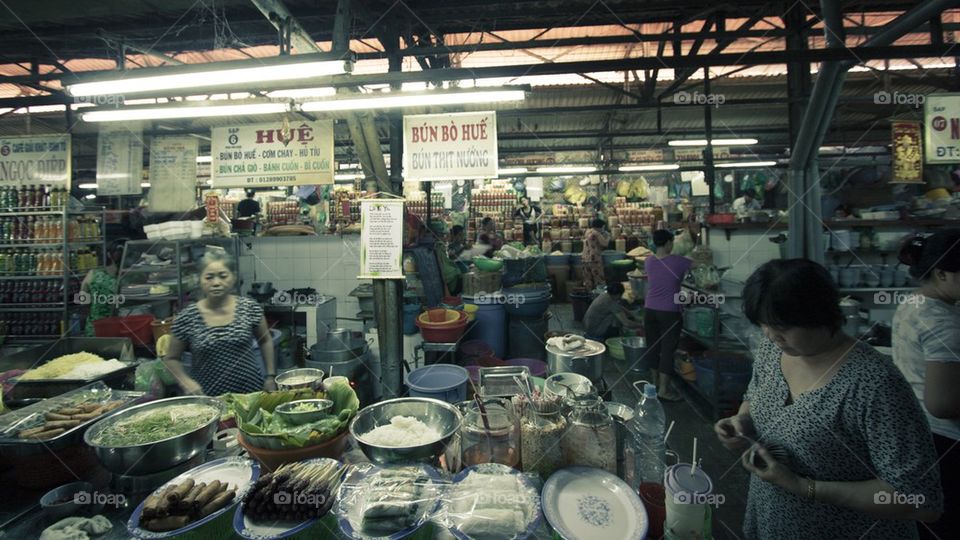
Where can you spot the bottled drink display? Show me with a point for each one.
(647, 445)
(31, 324)
(41, 291)
(46, 261)
(32, 197)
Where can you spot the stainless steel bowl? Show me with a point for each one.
(442, 416)
(286, 411)
(311, 379)
(567, 385)
(148, 458)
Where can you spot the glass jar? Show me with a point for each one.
(491, 434)
(591, 440)
(541, 432)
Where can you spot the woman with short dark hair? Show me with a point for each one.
(856, 456)
(662, 316)
(926, 348)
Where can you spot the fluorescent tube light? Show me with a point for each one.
(300, 93)
(348, 166)
(176, 79)
(88, 186)
(745, 164)
(631, 168)
(144, 184)
(401, 100)
(511, 170)
(716, 142)
(90, 196)
(567, 170)
(156, 113)
(204, 159)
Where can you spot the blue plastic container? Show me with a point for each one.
(611, 255)
(410, 313)
(735, 371)
(529, 307)
(445, 382)
(527, 337)
(558, 260)
(491, 322)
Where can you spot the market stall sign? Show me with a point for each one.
(173, 174)
(696, 154)
(907, 154)
(41, 159)
(120, 159)
(450, 146)
(941, 123)
(640, 156)
(274, 154)
(381, 239)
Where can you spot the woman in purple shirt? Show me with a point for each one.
(662, 319)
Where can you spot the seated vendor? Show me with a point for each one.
(607, 315)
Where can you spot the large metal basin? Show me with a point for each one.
(442, 416)
(155, 456)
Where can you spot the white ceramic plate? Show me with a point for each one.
(582, 502)
(349, 507)
(239, 473)
(272, 530)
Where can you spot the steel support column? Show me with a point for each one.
(806, 233)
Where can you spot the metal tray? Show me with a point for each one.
(119, 348)
(11, 423)
(500, 381)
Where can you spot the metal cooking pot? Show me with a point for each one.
(343, 356)
(586, 360)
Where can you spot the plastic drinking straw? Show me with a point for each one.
(669, 429)
(694, 468)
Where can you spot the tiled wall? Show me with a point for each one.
(329, 264)
(745, 248)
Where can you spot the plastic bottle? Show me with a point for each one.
(647, 446)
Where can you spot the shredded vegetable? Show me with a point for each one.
(156, 425)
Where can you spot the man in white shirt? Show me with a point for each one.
(744, 204)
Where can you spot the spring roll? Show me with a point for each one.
(57, 416)
(218, 502)
(186, 503)
(208, 493)
(48, 434)
(180, 492)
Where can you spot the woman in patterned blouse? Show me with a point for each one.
(857, 457)
(220, 331)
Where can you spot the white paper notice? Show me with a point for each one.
(454, 146)
(120, 159)
(44, 159)
(381, 239)
(173, 174)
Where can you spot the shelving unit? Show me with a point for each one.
(715, 343)
(185, 257)
(25, 329)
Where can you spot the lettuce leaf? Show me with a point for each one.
(254, 413)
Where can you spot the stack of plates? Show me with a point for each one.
(136, 290)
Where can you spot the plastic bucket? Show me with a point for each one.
(526, 337)
(161, 328)
(580, 302)
(445, 382)
(491, 324)
(135, 327)
(472, 349)
(735, 371)
(410, 313)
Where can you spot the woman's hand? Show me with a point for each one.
(768, 469)
(269, 385)
(730, 429)
(191, 387)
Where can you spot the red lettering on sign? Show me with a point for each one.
(955, 128)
